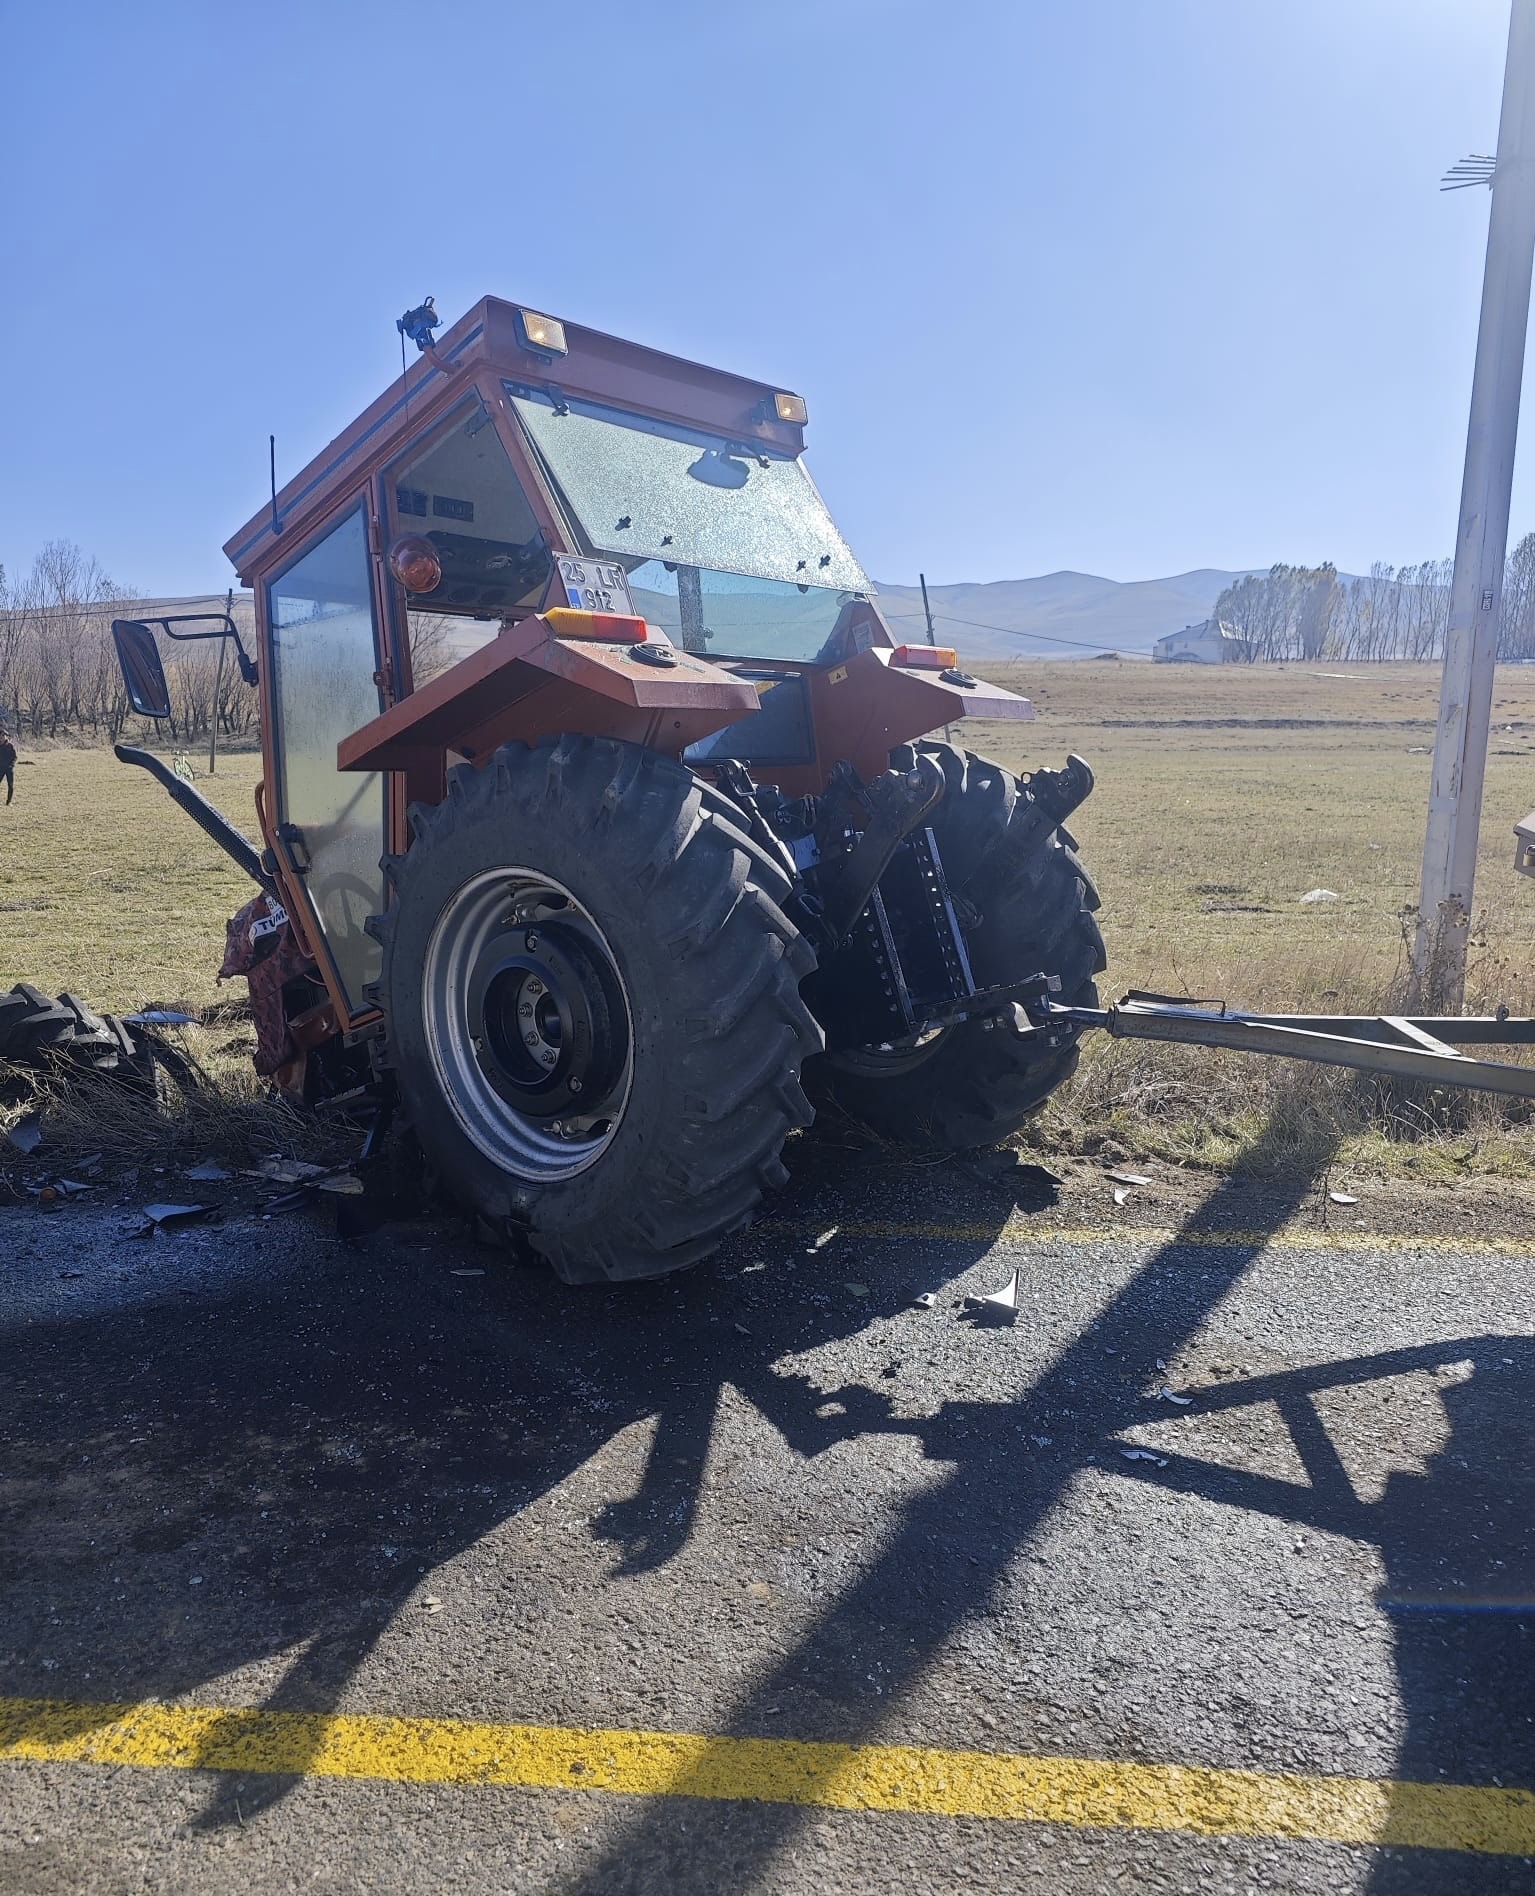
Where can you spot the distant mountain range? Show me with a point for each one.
(1061, 613)
(1058, 612)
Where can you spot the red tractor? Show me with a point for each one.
(601, 829)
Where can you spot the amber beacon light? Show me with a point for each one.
(415, 564)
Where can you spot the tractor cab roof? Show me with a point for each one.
(515, 355)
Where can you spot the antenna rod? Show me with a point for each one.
(948, 729)
(271, 442)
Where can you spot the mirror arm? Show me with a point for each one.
(227, 630)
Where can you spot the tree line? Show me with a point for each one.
(59, 675)
(1402, 612)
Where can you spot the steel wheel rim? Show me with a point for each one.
(532, 1046)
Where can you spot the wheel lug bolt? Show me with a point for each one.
(575, 1085)
(531, 943)
(531, 1038)
(526, 1010)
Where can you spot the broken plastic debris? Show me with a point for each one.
(432, 1604)
(1167, 1395)
(1143, 1455)
(69, 1187)
(1120, 1195)
(467, 1273)
(348, 1184)
(207, 1173)
(857, 1290)
(998, 1306)
(924, 1300)
(161, 1017)
(1130, 1178)
(1343, 1198)
(27, 1133)
(174, 1214)
(289, 1171)
(1321, 895)
(300, 1172)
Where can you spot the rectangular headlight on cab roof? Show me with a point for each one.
(925, 657)
(543, 334)
(791, 408)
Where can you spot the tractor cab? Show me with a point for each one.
(547, 587)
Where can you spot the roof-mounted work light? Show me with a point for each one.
(544, 335)
(791, 408)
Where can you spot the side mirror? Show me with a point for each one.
(143, 674)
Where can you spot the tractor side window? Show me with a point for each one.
(463, 495)
(324, 663)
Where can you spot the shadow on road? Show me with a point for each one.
(1457, 1542)
(945, 1553)
(308, 1450)
(262, 1470)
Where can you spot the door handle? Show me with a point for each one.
(295, 848)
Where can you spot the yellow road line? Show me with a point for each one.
(1019, 1230)
(1090, 1792)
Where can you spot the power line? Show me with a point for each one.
(1007, 631)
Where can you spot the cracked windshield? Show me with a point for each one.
(727, 544)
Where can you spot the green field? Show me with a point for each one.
(1225, 794)
(107, 889)
(1222, 797)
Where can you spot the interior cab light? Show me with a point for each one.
(933, 658)
(545, 335)
(612, 628)
(791, 408)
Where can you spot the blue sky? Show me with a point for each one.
(1128, 287)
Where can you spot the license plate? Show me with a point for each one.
(595, 585)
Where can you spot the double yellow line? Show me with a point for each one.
(1094, 1793)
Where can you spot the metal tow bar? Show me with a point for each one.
(1410, 1049)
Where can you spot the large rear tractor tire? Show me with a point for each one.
(966, 1086)
(592, 1005)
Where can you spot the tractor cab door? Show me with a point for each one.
(324, 664)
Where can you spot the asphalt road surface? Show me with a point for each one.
(384, 1565)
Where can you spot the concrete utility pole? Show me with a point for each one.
(1481, 543)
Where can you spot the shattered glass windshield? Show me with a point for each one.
(728, 544)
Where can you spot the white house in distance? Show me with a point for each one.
(1211, 642)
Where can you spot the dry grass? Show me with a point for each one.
(230, 1115)
(1222, 797)
(108, 890)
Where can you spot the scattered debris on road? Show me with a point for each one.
(27, 1133)
(997, 1306)
(175, 1214)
